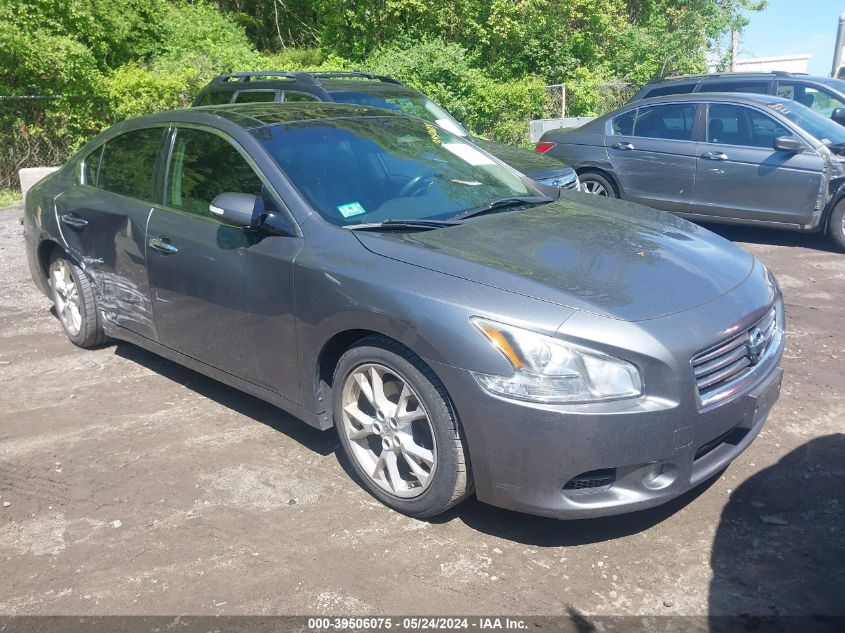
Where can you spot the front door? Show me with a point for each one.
(652, 152)
(222, 295)
(740, 175)
(104, 219)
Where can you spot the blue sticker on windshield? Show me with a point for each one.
(348, 210)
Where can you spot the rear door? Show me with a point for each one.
(740, 175)
(104, 219)
(222, 295)
(653, 153)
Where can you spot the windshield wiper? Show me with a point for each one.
(501, 203)
(400, 224)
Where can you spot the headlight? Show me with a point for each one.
(549, 370)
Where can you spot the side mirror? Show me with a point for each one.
(838, 116)
(238, 209)
(791, 144)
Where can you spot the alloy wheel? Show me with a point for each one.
(389, 430)
(66, 296)
(594, 187)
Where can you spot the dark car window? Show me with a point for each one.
(738, 125)
(759, 87)
(677, 89)
(204, 165)
(90, 166)
(255, 96)
(214, 98)
(673, 121)
(623, 125)
(128, 164)
(816, 98)
(298, 97)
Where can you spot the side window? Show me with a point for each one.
(255, 96)
(677, 89)
(214, 98)
(815, 98)
(759, 87)
(737, 125)
(623, 125)
(128, 164)
(290, 97)
(673, 121)
(90, 166)
(204, 165)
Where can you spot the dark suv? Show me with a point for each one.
(374, 91)
(821, 94)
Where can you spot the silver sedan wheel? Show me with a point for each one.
(389, 430)
(593, 187)
(66, 296)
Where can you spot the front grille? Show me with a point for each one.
(733, 358)
(572, 184)
(733, 437)
(592, 479)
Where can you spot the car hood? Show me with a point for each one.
(531, 164)
(609, 257)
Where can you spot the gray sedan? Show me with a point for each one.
(734, 158)
(462, 328)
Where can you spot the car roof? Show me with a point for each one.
(256, 115)
(749, 98)
(768, 75)
(315, 82)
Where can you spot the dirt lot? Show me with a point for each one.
(129, 485)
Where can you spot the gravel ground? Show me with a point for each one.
(130, 485)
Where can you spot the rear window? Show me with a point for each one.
(672, 121)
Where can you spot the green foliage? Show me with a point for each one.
(484, 60)
(9, 198)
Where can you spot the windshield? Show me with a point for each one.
(813, 123)
(371, 169)
(406, 102)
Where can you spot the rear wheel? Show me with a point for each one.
(75, 302)
(597, 184)
(398, 429)
(836, 226)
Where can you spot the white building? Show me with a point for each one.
(787, 63)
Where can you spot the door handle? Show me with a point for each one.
(73, 220)
(162, 245)
(623, 145)
(715, 156)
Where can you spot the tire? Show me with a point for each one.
(836, 226)
(406, 428)
(597, 184)
(75, 302)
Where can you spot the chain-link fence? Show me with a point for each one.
(27, 135)
(574, 99)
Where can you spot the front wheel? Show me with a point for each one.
(597, 185)
(836, 226)
(398, 429)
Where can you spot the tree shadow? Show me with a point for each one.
(779, 550)
(772, 237)
(322, 442)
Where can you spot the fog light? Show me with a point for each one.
(658, 476)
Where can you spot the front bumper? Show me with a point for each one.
(523, 457)
(576, 461)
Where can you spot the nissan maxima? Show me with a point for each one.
(463, 328)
